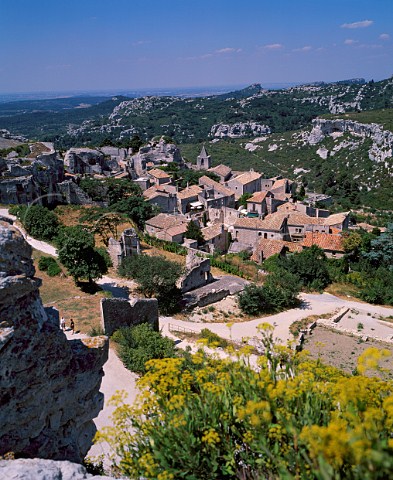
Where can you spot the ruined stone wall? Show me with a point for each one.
(197, 274)
(49, 386)
(119, 312)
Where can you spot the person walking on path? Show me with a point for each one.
(62, 323)
(72, 326)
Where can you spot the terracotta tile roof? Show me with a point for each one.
(287, 206)
(270, 222)
(281, 183)
(247, 177)
(157, 173)
(326, 241)
(177, 229)
(336, 218)
(258, 197)
(164, 220)
(271, 247)
(208, 182)
(189, 192)
(212, 232)
(221, 169)
(297, 218)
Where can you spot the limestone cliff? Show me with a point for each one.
(49, 386)
(239, 130)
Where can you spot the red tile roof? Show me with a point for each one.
(268, 248)
(326, 241)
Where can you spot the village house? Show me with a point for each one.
(283, 188)
(248, 230)
(187, 196)
(165, 199)
(247, 182)
(337, 220)
(158, 176)
(163, 222)
(174, 234)
(263, 203)
(221, 196)
(224, 172)
(266, 248)
(216, 238)
(331, 244)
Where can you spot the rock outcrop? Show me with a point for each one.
(84, 160)
(155, 153)
(382, 140)
(239, 130)
(38, 469)
(49, 386)
(24, 180)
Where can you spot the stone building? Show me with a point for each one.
(128, 245)
(248, 182)
(203, 160)
(197, 272)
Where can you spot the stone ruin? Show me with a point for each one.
(197, 272)
(49, 386)
(119, 312)
(128, 245)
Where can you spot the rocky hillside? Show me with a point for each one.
(245, 112)
(49, 386)
(341, 156)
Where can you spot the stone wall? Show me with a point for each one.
(49, 386)
(119, 312)
(197, 274)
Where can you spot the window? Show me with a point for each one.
(259, 234)
(265, 235)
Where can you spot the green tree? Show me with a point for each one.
(39, 222)
(136, 208)
(310, 266)
(78, 254)
(381, 252)
(194, 232)
(243, 199)
(156, 277)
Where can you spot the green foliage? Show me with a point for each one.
(194, 232)
(381, 252)
(110, 190)
(136, 208)
(191, 177)
(310, 266)
(49, 265)
(156, 276)
(96, 332)
(39, 222)
(22, 150)
(278, 293)
(141, 343)
(378, 288)
(78, 254)
(213, 339)
(164, 245)
(243, 199)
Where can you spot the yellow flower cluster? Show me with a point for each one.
(211, 437)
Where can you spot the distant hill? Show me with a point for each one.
(71, 122)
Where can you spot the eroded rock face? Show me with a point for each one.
(156, 153)
(239, 130)
(49, 386)
(38, 469)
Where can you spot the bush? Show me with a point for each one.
(213, 339)
(228, 420)
(39, 222)
(139, 344)
(54, 269)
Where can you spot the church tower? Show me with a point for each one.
(204, 161)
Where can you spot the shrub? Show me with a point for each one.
(54, 269)
(227, 420)
(45, 262)
(213, 339)
(141, 343)
(39, 222)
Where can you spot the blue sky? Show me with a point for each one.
(55, 45)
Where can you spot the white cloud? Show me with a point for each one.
(273, 46)
(384, 36)
(350, 41)
(306, 48)
(362, 24)
(140, 42)
(228, 50)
